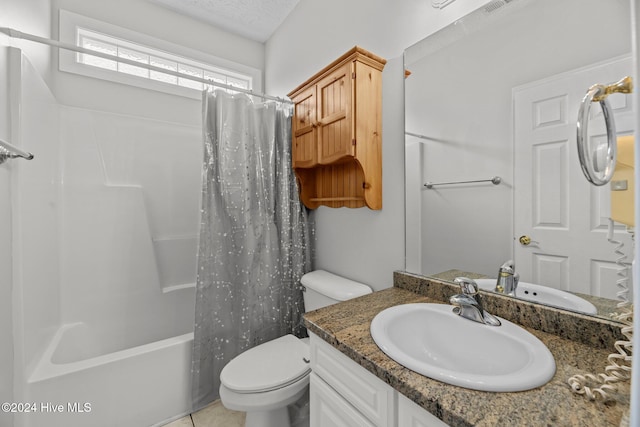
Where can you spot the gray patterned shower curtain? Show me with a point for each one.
(255, 236)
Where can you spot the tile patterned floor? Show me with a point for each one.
(214, 415)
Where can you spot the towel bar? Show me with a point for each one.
(495, 181)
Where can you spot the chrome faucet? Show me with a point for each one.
(468, 303)
(507, 279)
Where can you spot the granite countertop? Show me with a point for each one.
(346, 327)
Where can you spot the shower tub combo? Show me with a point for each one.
(103, 325)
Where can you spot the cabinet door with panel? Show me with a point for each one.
(410, 414)
(372, 398)
(304, 150)
(336, 139)
(345, 394)
(329, 409)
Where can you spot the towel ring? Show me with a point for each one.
(598, 166)
(596, 169)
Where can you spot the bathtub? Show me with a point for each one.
(88, 377)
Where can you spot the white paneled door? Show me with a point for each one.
(565, 217)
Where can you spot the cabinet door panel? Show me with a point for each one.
(411, 415)
(304, 151)
(335, 115)
(364, 391)
(329, 409)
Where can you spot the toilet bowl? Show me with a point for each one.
(267, 378)
(264, 380)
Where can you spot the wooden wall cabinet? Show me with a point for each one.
(337, 133)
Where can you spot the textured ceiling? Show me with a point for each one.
(254, 19)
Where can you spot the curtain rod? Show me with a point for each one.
(67, 46)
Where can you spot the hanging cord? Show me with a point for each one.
(619, 368)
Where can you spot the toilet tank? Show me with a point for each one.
(322, 288)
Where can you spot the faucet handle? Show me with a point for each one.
(467, 286)
(460, 300)
(508, 267)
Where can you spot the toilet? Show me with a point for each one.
(267, 378)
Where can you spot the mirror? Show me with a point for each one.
(496, 94)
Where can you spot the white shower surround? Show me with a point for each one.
(105, 222)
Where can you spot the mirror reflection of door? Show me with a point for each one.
(459, 101)
(565, 217)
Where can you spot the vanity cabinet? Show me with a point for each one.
(337, 133)
(328, 408)
(345, 394)
(410, 414)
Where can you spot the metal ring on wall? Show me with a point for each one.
(598, 167)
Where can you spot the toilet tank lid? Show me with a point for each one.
(333, 286)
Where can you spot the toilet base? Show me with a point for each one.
(274, 418)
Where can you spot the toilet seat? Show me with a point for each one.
(269, 366)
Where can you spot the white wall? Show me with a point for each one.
(32, 16)
(361, 244)
(317, 32)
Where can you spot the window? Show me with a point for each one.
(95, 35)
(148, 56)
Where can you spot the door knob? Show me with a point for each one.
(524, 240)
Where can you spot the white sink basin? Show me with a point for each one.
(433, 341)
(545, 295)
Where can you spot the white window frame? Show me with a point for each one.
(71, 23)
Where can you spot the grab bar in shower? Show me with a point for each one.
(598, 165)
(8, 151)
(495, 181)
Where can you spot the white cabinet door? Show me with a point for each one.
(329, 409)
(564, 215)
(412, 415)
(344, 394)
(367, 393)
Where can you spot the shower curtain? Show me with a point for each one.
(255, 236)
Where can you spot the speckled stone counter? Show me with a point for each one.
(346, 327)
